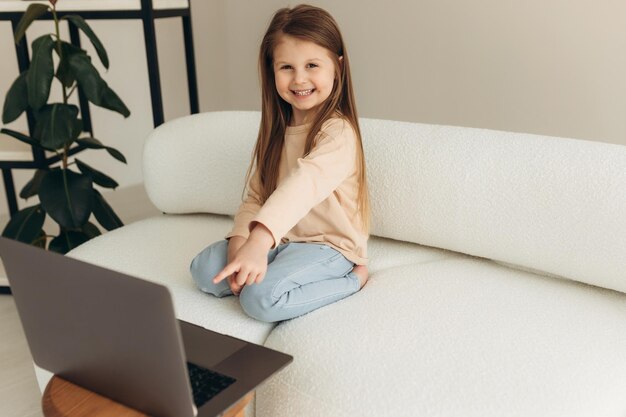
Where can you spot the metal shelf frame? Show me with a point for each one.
(147, 14)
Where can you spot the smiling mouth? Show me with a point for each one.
(303, 92)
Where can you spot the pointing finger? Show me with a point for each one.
(228, 269)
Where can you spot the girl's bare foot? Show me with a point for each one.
(362, 273)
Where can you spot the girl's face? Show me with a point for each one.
(304, 74)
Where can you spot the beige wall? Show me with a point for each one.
(553, 67)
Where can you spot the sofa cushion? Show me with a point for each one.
(160, 249)
(455, 337)
(198, 163)
(549, 204)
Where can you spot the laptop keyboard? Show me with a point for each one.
(206, 384)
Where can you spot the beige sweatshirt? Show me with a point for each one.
(315, 199)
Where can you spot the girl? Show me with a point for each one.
(299, 240)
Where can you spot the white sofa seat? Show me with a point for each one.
(160, 249)
(168, 243)
(457, 336)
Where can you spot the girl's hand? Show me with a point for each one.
(234, 287)
(250, 262)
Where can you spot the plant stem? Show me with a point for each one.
(72, 90)
(60, 49)
(43, 238)
(65, 150)
(67, 191)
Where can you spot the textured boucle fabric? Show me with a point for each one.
(455, 337)
(548, 204)
(160, 249)
(198, 163)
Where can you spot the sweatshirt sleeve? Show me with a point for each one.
(311, 181)
(248, 209)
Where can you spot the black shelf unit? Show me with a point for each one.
(147, 14)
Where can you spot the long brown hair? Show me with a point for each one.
(315, 25)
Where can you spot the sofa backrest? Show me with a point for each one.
(549, 204)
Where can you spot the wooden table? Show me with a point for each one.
(64, 399)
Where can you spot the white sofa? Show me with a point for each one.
(498, 271)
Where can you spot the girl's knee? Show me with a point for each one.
(207, 264)
(258, 303)
(200, 272)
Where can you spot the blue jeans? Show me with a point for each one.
(300, 278)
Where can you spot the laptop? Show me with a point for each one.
(117, 335)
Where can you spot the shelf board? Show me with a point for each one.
(95, 5)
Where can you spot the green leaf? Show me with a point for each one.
(32, 187)
(56, 125)
(64, 72)
(95, 88)
(34, 12)
(87, 76)
(111, 101)
(16, 100)
(68, 240)
(68, 197)
(105, 214)
(91, 230)
(115, 154)
(41, 72)
(80, 23)
(77, 128)
(95, 175)
(22, 137)
(93, 143)
(25, 225)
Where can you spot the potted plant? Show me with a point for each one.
(66, 189)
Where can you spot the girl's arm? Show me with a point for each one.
(250, 261)
(234, 244)
(248, 209)
(311, 180)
